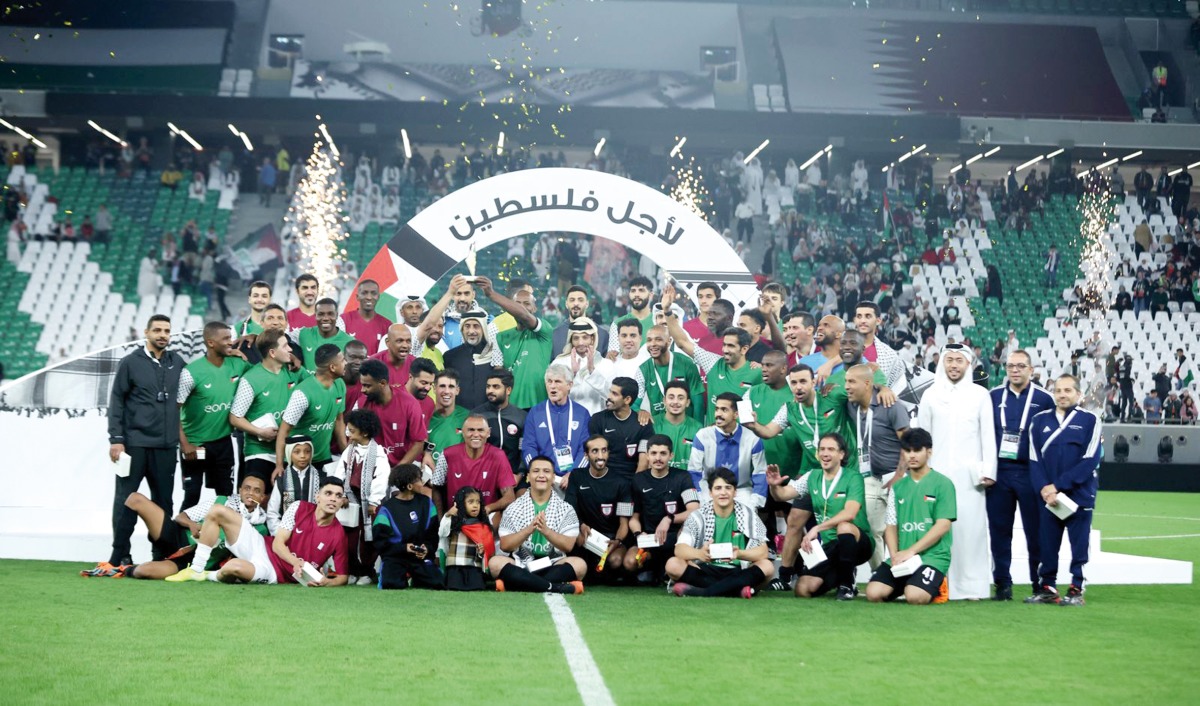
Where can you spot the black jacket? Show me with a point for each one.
(472, 378)
(138, 415)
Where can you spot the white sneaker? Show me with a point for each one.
(364, 581)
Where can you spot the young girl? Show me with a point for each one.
(405, 531)
(364, 468)
(467, 541)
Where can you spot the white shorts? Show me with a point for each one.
(252, 547)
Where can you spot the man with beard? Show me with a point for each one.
(206, 389)
(506, 422)
(641, 298)
(603, 502)
(620, 426)
(474, 359)
(409, 312)
(663, 497)
(593, 372)
(577, 305)
(326, 331)
(866, 320)
(630, 353)
(398, 356)
(258, 299)
(356, 354)
(404, 430)
(304, 315)
(958, 413)
(701, 328)
(662, 368)
(676, 425)
(783, 451)
(432, 328)
(420, 383)
(729, 372)
(364, 323)
(827, 359)
(526, 348)
(462, 294)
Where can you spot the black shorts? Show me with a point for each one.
(713, 573)
(827, 570)
(217, 466)
(172, 544)
(926, 578)
(804, 502)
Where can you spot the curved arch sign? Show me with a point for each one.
(557, 199)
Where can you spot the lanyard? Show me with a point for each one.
(1052, 437)
(825, 491)
(813, 424)
(500, 426)
(550, 422)
(867, 435)
(662, 389)
(1024, 415)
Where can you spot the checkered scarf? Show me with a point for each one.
(560, 517)
(700, 526)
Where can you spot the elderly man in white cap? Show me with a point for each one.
(593, 372)
(958, 414)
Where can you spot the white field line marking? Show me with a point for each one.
(1152, 517)
(1152, 536)
(579, 658)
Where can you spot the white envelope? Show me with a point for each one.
(267, 421)
(816, 556)
(908, 567)
(121, 467)
(1065, 507)
(539, 564)
(745, 410)
(647, 541)
(309, 573)
(351, 515)
(596, 543)
(722, 551)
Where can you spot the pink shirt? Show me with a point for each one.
(298, 319)
(402, 422)
(869, 353)
(397, 374)
(704, 337)
(310, 541)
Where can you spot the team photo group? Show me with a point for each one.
(470, 445)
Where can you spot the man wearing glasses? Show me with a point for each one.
(1014, 404)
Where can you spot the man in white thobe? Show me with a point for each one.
(958, 413)
(593, 372)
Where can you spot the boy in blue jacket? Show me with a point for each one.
(1064, 460)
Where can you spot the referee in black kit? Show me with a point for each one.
(143, 422)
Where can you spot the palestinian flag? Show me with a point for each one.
(258, 256)
(398, 280)
(1184, 376)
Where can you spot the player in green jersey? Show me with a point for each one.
(206, 388)
(445, 428)
(326, 331)
(526, 348)
(665, 366)
(261, 397)
(676, 424)
(921, 508)
(838, 499)
(315, 409)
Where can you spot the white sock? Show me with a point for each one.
(214, 576)
(200, 557)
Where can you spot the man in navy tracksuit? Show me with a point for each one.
(1064, 460)
(1014, 406)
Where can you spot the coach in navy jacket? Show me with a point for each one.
(1064, 458)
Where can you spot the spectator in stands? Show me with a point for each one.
(744, 213)
(1143, 182)
(1158, 78)
(1181, 192)
(1152, 405)
(1050, 268)
(1123, 302)
(266, 181)
(1162, 382)
(951, 315)
(171, 177)
(1143, 239)
(16, 236)
(1162, 185)
(994, 287)
(1187, 410)
(1116, 182)
(1172, 408)
(945, 254)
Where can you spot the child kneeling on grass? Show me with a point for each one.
(405, 532)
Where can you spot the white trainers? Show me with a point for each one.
(364, 581)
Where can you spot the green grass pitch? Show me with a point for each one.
(72, 640)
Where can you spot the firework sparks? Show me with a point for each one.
(317, 212)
